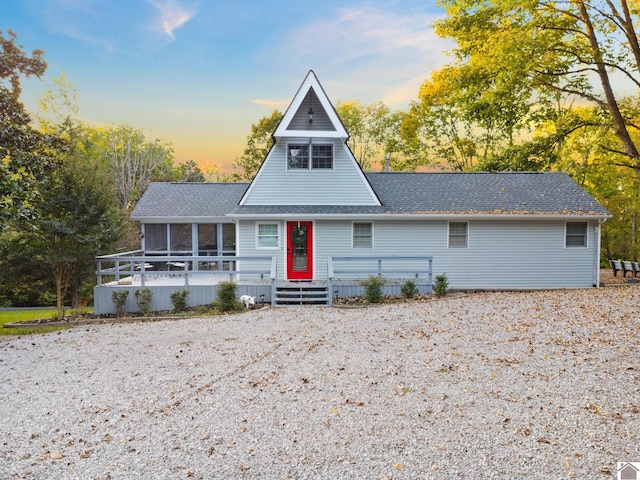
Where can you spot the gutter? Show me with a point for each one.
(439, 216)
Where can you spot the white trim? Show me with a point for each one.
(353, 247)
(310, 146)
(285, 248)
(586, 234)
(449, 247)
(417, 216)
(310, 81)
(278, 235)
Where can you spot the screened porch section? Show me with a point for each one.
(191, 239)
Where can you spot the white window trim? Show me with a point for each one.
(279, 230)
(310, 160)
(353, 247)
(586, 235)
(449, 236)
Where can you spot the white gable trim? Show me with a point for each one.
(311, 81)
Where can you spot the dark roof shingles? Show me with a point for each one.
(400, 193)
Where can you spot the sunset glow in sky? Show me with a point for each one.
(198, 73)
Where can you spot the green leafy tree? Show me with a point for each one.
(77, 219)
(259, 142)
(521, 58)
(25, 158)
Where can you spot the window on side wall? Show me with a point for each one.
(362, 235)
(576, 234)
(458, 234)
(268, 238)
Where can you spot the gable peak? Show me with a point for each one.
(311, 113)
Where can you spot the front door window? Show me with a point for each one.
(299, 252)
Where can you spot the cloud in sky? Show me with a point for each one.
(387, 53)
(272, 103)
(172, 15)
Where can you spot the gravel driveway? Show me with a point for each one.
(538, 385)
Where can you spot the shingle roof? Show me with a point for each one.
(549, 193)
(482, 192)
(188, 200)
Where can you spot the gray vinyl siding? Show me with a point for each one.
(247, 246)
(342, 185)
(500, 254)
(321, 120)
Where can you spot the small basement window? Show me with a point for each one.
(576, 234)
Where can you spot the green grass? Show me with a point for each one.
(24, 315)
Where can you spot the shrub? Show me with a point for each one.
(143, 299)
(373, 288)
(179, 300)
(119, 298)
(441, 286)
(409, 289)
(227, 297)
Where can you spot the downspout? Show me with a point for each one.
(597, 252)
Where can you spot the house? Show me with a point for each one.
(628, 471)
(312, 219)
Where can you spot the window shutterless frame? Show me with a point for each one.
(576, 235)
(305, 156)
(267, 236)
(458, 234)
(362, 235)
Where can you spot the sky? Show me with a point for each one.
(198, 73)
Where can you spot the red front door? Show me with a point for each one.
(299, 251)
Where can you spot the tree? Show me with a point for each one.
(25, 158)
(135, 162)
(526, 53)
(78, 218)
(189, 172)
(456, 130)
(259, 142)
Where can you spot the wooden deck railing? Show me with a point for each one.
(352, 269)
(128, 264)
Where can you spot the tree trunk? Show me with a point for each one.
(619, 124)
(59, 292)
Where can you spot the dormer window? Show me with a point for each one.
(298, 157)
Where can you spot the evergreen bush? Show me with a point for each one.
(373, 288)
(119, 298)
(179, 300)
(227, 297)
(409, 289)
(143, 299)
(441, 286)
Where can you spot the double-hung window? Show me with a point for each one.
(268, 238)
(576, 234)
(362, 235)
(304, 156)
(458, 234)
